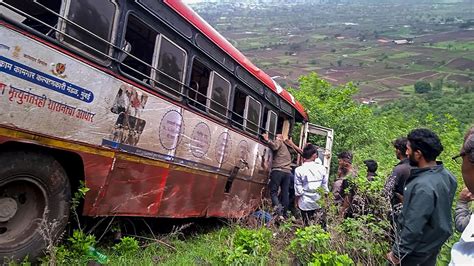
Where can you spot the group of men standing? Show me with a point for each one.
(425, 220)
(420, 190)
(302, 188)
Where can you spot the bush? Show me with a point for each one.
(331, 259)
(308, 241)
(312, 246)
(127, 245)
(80, 242)
(249, 246)
(422, 86)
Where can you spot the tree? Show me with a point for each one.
(438, 85)
(368, 132)
(422, 86)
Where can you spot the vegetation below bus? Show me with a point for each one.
(362, 240)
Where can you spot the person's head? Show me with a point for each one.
(400, 146)
(345, 156)
(371, 166)
(467, 154)
(310, 152)
(423, 146)
(345, 162)
(317, 151)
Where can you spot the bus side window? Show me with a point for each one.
(252, 115)
(37, 15)
(170, 63)
(218, 95)
(197, 91)
(270, 122)
(93, 25)
(239, 108)
(141, 39)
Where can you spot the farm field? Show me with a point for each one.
(354, 42)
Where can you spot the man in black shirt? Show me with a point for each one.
(395, 183)
(371, 169)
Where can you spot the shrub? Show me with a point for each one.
(364, 238)
(308, 241)
(313, 246)
(254, 242)
(331, 259)
(80, 242)
(127, 245)
(422, 86)
(249, 246)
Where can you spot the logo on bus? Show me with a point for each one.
(223, 147)
(171, 129)
(16, 51)
(243, 150)
(59, 69)
(200, 140)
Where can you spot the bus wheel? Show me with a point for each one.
(34, 204)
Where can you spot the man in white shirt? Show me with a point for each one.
(309, 178)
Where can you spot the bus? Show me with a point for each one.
(143, 101)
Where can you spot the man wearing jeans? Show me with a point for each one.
(280, 174)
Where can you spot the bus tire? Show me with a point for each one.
(33, 186)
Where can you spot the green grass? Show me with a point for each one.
(285, 60)
(371, 52)
(407, 89)
(469, 56)
(317, 37)
(402, 55)
(255, 42)
(455, 45)
(417, 67)
(205, 249)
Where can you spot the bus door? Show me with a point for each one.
(321, 137)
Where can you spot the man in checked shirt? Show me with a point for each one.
(309, 178)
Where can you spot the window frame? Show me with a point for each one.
(269, 94)
(246, 109)
(154, 67)
(61, 32)
(121, 64)
(213, 51)
(209, 96)
(267, 126)
(155, 9)
(249, 79)
(190, 100)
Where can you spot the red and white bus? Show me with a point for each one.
(142, 100)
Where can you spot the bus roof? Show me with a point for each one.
(192, 17)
